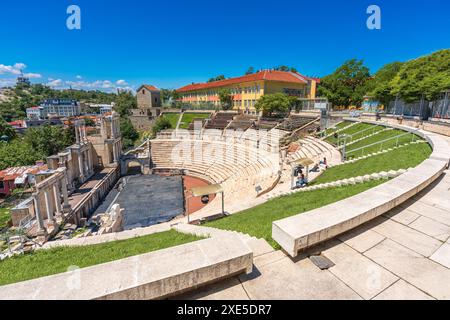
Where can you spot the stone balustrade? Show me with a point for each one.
(145, 276)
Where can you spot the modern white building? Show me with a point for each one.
(36, 113)
(61, 107)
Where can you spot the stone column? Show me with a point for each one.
(77, 134)
(48, 206)
(90, 164)
(40, 220)
(65, 193)
(81, 164)
(115, 152)
(57, 195)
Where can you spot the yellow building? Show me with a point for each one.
(246, 90)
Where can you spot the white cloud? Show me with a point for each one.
(79, 77)
(20, 66)
(55, 83)
(121, 83)
(33, 75)
(17, 69)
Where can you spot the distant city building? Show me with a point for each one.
(149, 107)
(23, 81)
(100, 108)
(61, 107)
(21, 125)
(36, 113)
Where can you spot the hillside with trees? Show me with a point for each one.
(427, 76)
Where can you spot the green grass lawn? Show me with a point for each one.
(4, 216)
(173, 118)
(376, 138)
(257, 221)
(189, 117)
(405, 157)
(52, 261)
(352, 130)
(338, 126)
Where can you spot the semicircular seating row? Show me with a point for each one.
(237, 165)
(315, 149)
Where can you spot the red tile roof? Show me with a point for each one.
(148, 87)
(267, 75)
(14, 172)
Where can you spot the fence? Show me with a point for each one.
(423, 109)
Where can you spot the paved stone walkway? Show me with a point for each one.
(404, 254)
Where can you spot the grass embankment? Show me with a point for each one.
(401, 158)
(257, 221)
(382, 146)
(173, 118)
(4, 216)
(189, 117)
(350, 131)
(52, 261)
(338, 126)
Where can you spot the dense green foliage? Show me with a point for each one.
(428, 75)
(125, 102)
(347, 85)
(6, 130)
(36, 144)
(49, 140)
(129, 133)
(276, 102)
(47, 262)
(169, 95)
(161, 123)
(17, 153)
(226, 99)
(380, 87)
(218, 78)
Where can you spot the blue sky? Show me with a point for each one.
(172, 43)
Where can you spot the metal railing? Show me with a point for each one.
(356, 133)
(353, 152)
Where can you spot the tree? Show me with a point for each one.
(428, 76)
(89, 122)
(347, 85)
(226, 99)
(286, 69)
(161, 124)
(250, 70)
(129, 133)
(169, 95)
(17, 153)
(125, 101)
(270, 103)
(48, 140)
(380, 87)
(294, 103)
(218, 78)
(6, 130)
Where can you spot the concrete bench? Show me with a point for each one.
(154, 275)
(310, 228)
